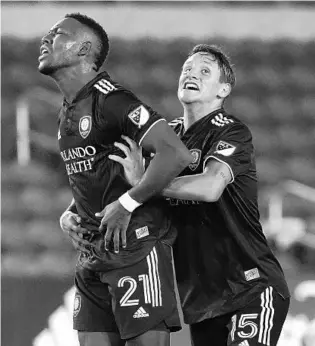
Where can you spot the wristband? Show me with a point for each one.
(63, 215)
(128, 203)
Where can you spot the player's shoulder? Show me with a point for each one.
(223, 119)
(224, 122)
(105, 86)
(112, 99)
(121, 102)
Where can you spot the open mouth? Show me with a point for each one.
(191, 86)
(44, 51)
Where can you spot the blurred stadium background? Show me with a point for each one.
(272, 47)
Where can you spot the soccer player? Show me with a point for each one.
(122, 295)
(232, 288)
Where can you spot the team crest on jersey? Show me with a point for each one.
(225, 149)
(76, 305)
(196, 153)
(139, 116)
(85, 126)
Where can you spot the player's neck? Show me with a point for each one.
(72, 81)
(195, 111)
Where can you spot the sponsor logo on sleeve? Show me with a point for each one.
(225, 149)
(251, 274)
(139, 116)
(196, 153)
(85, 126)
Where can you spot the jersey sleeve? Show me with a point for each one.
(133, 117)
(234, 148)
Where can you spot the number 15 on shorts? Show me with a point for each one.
(248, 327)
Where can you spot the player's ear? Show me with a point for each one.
(224, 90)
(85, 48)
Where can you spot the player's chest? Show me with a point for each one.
(79, 127)
(199, 145)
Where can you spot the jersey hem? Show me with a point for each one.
(173, 328)
(211, 313)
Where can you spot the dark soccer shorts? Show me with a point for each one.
(259, 323)
(130, 300)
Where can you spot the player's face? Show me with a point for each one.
(200, 79)
(60, 47)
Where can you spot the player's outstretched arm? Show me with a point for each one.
(207, 186)
(171, 157)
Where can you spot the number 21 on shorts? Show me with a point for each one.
(151, 290)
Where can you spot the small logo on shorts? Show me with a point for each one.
(252, 274)
(140, 313)
(76, 305)
(244, 343)
(142, 232)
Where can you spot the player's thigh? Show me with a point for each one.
(209, 332)
(260, 322)
(143, 295)
(92, 304)
(152, 338)
(99, 339)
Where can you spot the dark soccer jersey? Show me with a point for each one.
(100, 113)
(221, 255)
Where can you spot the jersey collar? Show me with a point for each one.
(86, 89)
(214, 113)
(201, 121)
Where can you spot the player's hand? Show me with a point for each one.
(70, 224)
(116, 218)
(132, 163)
